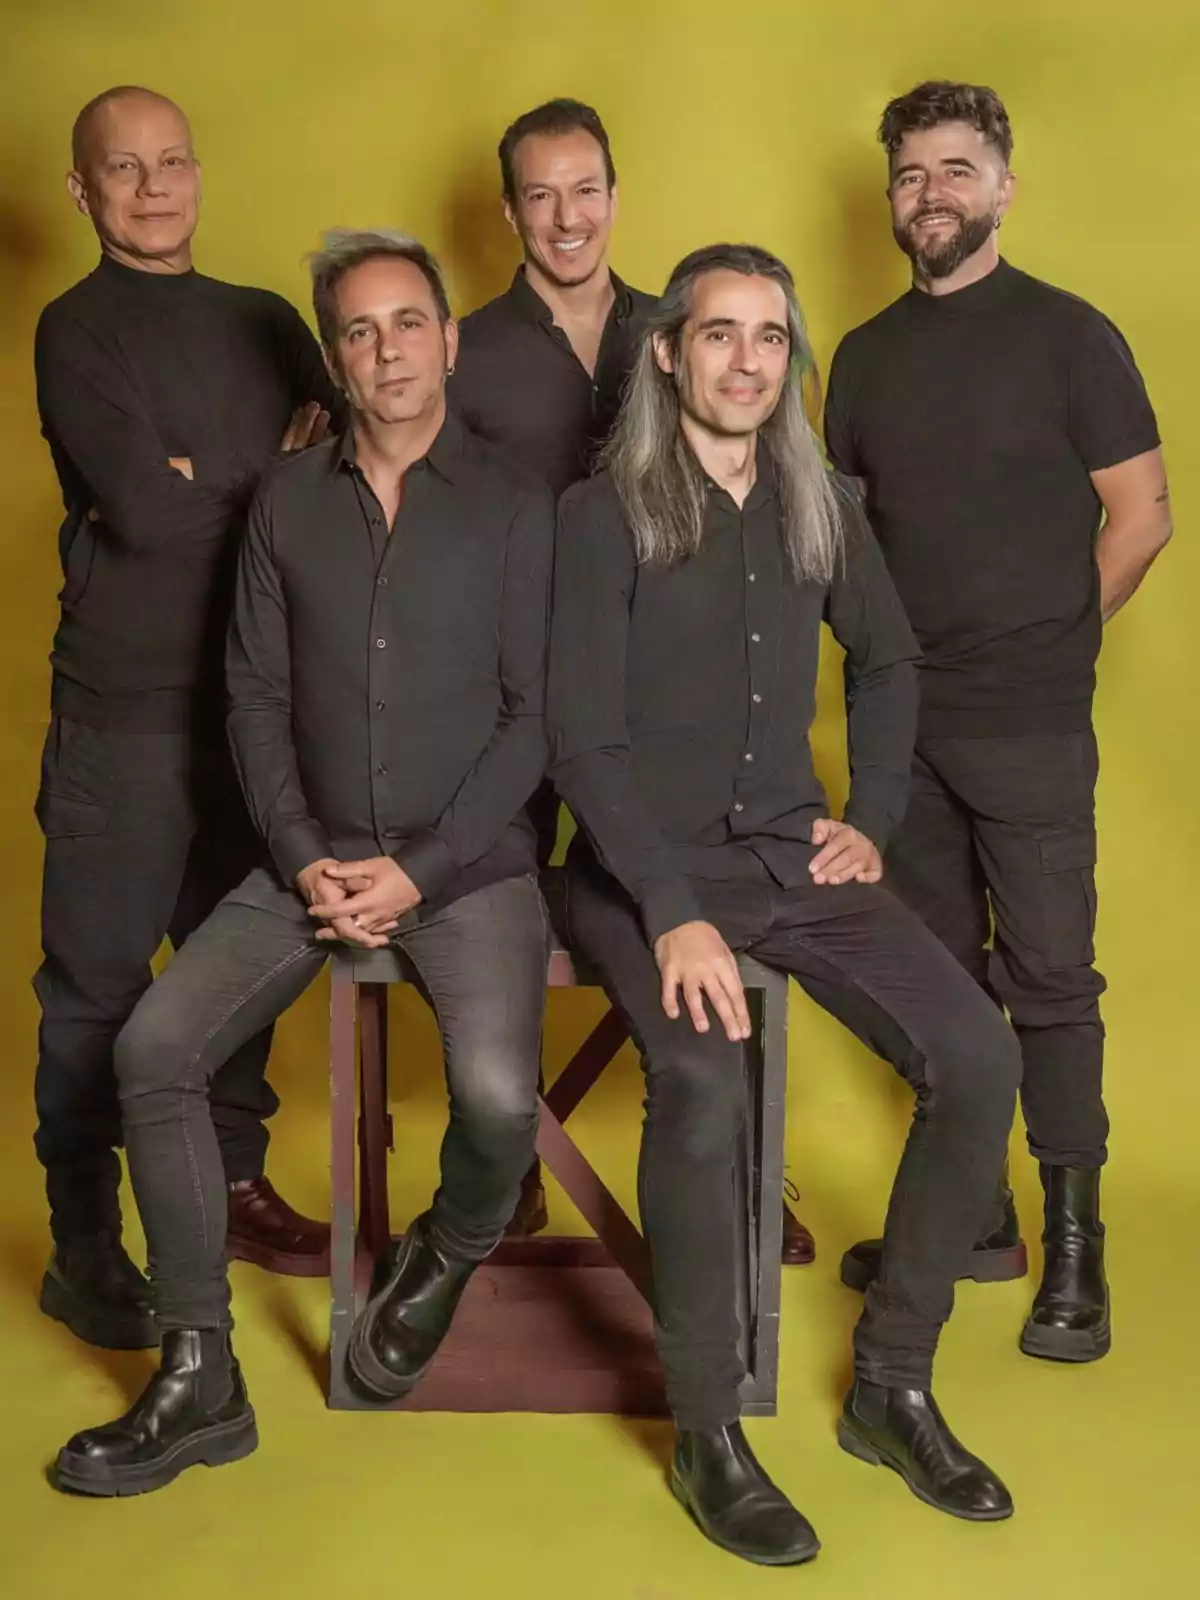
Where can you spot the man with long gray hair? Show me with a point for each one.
(386, 672)
(691, 579)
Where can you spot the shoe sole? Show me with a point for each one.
(985, 1266)
(854, 1446)
(213, 1447)
(102, 1329)
(280, 1262)
(791, 1559)
(376, 1380)
(1075, 1345)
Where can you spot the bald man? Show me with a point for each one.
(163, 396)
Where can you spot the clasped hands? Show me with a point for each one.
(695, 958)
(360, 902)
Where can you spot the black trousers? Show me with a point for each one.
(481, 964)
(862, 954)
(145, 834)
(998, 848)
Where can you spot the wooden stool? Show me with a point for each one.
(548, 1324)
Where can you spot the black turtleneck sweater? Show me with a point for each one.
(974, 420)
(134, 368)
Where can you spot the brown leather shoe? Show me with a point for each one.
(531, 1215)
(799, 1246)
(264, 1229)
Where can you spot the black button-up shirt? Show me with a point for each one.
(681, 697)
(518, 383)
(388, 690)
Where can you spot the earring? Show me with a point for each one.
(999, 220)
(449, 372)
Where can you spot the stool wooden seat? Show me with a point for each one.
(548, 1324)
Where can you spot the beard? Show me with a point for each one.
(940, 260)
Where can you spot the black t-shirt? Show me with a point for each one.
(974, 420)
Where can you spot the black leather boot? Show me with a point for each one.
(996, 1258)
(397, 1336)
(903, 1429)
(1070, 1319)
(194, 1410)
(93, 1286)
(734, 1503)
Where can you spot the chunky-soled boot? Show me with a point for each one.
(998, 1257)
(903, 1429)
(93, 1286)
(733, 1502)
(1070, 1320)
(397, 1336)
(193, 1411)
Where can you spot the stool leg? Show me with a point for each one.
(372, 1121)
(343, 1245)
(767, 1062)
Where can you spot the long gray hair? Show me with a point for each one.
(659, 480)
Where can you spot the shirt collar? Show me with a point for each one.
(529, 305)
(764, 484)
(444, 454)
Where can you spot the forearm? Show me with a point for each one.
(599, 789)
(1125, 552)
(269, 774)
(881, 728)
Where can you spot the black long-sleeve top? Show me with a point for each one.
(387, 689)
(681, 697)
(132, 369)
(519, 384)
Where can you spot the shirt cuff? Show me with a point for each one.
(427, 860)
(871, 820)
(297, 846)
(668, 903)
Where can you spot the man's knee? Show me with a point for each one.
(975, 1066)
(696, 1095)
(152, 1051)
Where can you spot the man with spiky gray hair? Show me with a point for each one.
(386, 667)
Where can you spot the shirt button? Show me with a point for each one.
(381, 769)
(383, 583)
(379, 704)
(749, 757)
(738, 806)
(754, 638)
(381, 644)
(377, 522)
(752, 577)
(757, 698)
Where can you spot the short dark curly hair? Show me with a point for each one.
(931, 104)
(555, 117)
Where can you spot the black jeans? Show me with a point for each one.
(145, 833)
(863, 955)
(481, 963)
(999, 844)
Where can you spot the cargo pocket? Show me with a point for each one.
(72, 799)
(1068, 890)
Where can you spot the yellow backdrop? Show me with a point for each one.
(745, 122)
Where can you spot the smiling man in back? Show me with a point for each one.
(163, 395)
